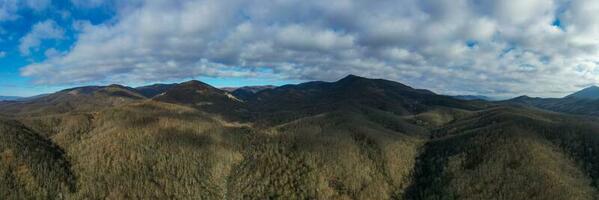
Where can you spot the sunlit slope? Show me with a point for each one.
(81, 99)
(338, 155)
(161, 150)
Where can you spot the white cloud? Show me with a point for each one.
(8, 9)
(301, 38)
(514, 49)
(2, 54)
(51, 53)
(41, 31)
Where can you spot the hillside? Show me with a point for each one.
(206, 98)
(507, 153)
(150, 91)
(288, 102)
(31, 167)
(473, 97)
(356, 138)
(83, 99)
(247, 92)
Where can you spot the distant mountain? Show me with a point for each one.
(206, 97)
(33, 97)
(252, 89)
(584, 102)
(86, 98)
(195, 93)
(247, 92)
(9, 98)
(591, 93)
(150, 91)
(472, 97)
(352, 92)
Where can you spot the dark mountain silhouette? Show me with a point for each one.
(289, 101)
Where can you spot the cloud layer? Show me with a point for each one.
(503, 47)
(41, 31)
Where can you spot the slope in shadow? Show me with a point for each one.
(31, 166)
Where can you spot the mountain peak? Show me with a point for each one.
(351, 78)
(116, 86)
(591, 92)
(196, 84)
(192, 82)
(592, 87)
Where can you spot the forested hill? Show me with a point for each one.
(355, 138)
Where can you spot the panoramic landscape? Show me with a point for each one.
(355, 138)
(284, 99)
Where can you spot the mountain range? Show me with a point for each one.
(583, 102)
(355, 138)
(473, 97)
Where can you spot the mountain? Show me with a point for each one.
(591, 93)
(583, 102)
(355, 138)
(150, 91)
(205, 97)
(352, 92)
(247, 92)
(195, 93)
(472, 97)
(32, 97)
(88, 98)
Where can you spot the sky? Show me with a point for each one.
(499, 48)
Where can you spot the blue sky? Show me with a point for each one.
(23, 18)
(500, 48)
(66, 14)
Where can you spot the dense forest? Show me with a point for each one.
(355, 138)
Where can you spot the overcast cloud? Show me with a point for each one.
(502, 47)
